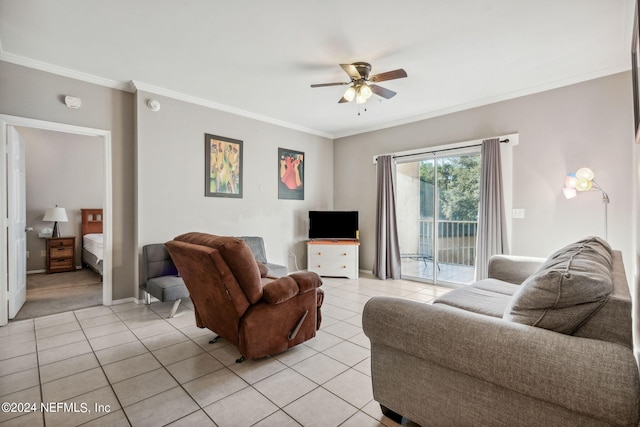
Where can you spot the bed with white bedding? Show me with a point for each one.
(92, 239)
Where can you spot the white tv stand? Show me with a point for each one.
(338, 258)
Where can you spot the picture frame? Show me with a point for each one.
(223, 166)
(290, 174)
(635, 67)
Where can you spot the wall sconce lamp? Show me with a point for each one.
(56, 215)
(582, 181)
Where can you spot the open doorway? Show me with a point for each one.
(9, 280)
(64, 170)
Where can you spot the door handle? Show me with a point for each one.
(28, 229)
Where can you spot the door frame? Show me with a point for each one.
(105, 135)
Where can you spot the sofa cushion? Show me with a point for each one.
(569, 288)
(497, 286)
(476, 300)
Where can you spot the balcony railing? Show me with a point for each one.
(456, 241)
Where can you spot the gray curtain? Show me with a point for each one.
(387, 263)
(492, 234)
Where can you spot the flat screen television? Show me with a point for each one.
(333, 225)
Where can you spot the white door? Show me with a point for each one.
(16, 221)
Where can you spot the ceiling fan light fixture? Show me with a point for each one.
(365, 91)
(359, 88)
(350, 94)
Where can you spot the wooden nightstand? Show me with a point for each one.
(61, 254)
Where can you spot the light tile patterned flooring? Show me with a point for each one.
(153, 371)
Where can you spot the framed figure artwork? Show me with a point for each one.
(290, 174)
(223, 167)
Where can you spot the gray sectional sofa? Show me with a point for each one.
(541, 342)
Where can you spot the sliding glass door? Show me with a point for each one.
(437, 211)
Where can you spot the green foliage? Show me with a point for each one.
(458, 185)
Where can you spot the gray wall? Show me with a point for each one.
(61, 169)
(170, 184)
(587, 124)
(26, 92)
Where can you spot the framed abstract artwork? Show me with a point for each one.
(223, 167)
(290, 174)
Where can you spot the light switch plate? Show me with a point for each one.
(517, 213)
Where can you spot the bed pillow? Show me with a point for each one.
(568, 289)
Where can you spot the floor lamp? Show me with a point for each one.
(582, 181)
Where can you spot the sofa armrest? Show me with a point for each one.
(513, 269)
(285, 288)
(587, 376)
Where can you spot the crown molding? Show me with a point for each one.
(488, 101)
(62, 71)
(133, 86)
(137, 85)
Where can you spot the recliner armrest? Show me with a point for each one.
(285, 288)
(280, 290)
(307, 281)
(512, 268)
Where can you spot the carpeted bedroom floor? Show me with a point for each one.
(56, 293)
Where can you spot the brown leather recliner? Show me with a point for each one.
(233, 296)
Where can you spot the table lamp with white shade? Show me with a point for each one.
(56, 215)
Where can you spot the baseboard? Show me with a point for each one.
(141, 300)
(78, 267)
(124, 301)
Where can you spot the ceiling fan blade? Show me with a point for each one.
(330, 84)
(380, 91)
(389, 75)
(351, 70)
(343, 100)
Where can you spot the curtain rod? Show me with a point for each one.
(504, 141)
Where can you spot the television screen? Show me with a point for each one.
(333, 225)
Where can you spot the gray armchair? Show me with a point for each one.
(161, 279)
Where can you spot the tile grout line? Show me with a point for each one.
(341, 288)
(35, 337)
(200, 408)
(103, 372)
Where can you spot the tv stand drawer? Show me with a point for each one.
(329, 258)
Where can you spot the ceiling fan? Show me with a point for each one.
(362, 86)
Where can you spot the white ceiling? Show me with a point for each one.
(258, 58)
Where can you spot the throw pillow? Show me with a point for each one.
(568, 289)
